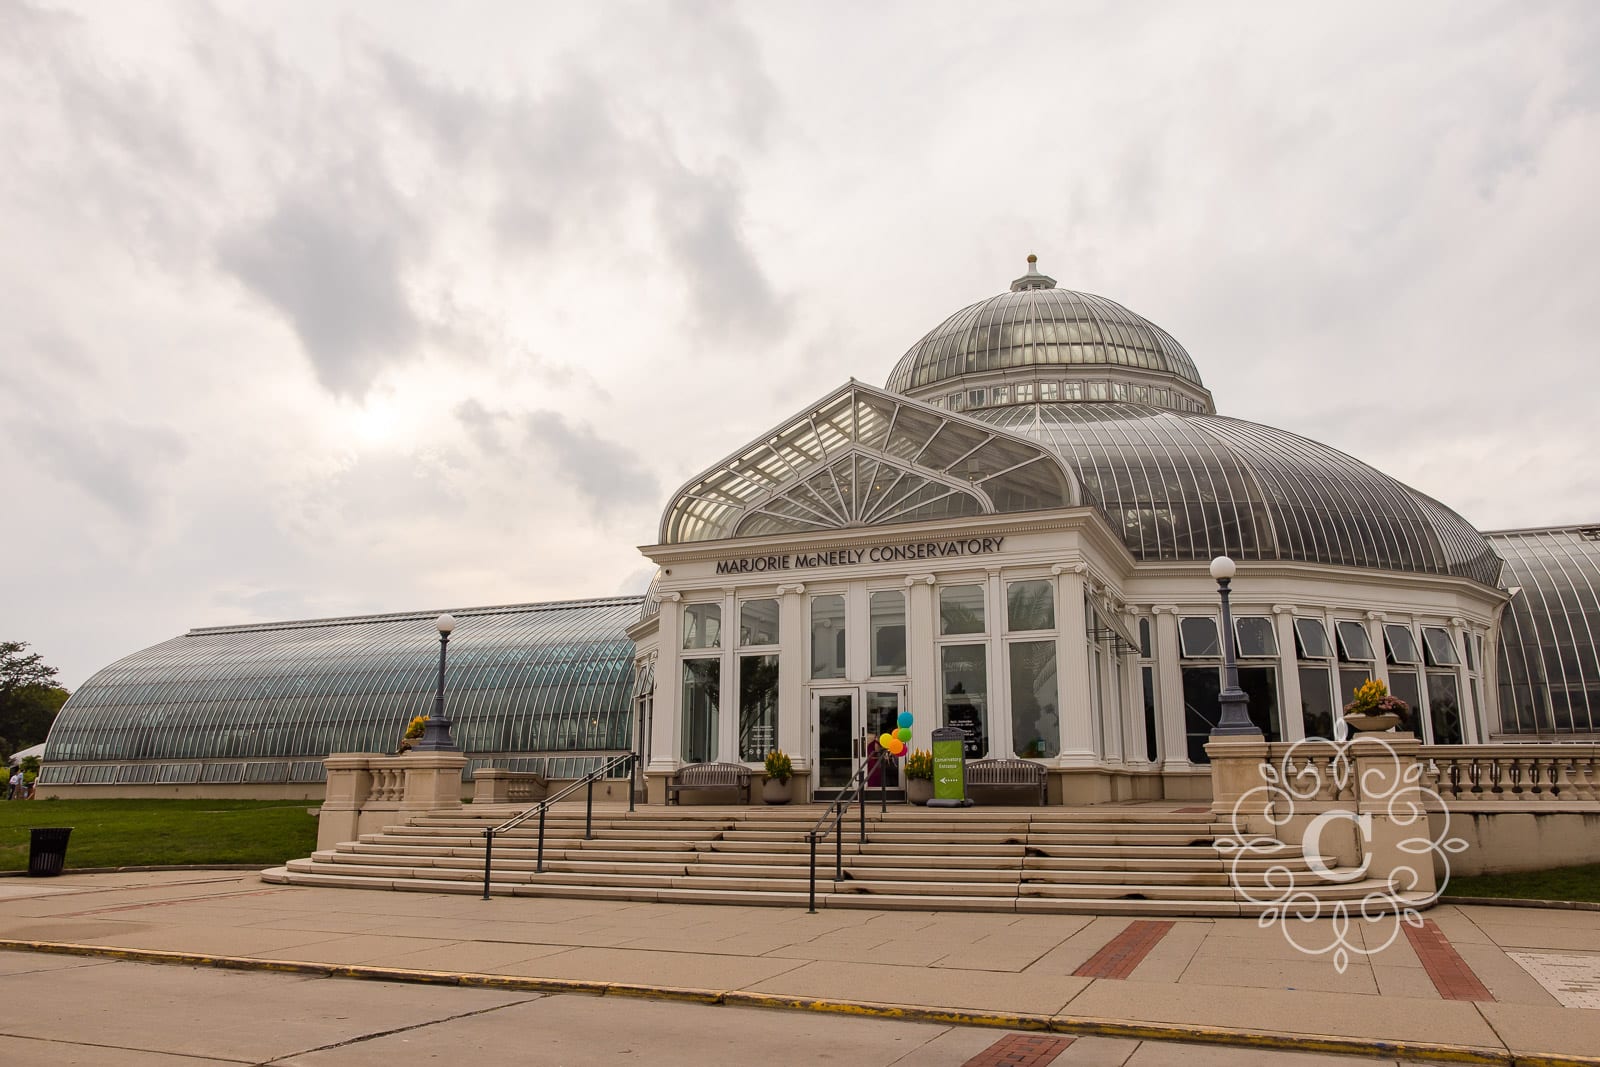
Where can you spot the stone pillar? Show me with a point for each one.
(794, 711)
(922, 659)
(1292, 718)
(1072, 656)
(1380, 660)
(433, 780)
(1236, 763)
(1169, 690)
(1389, 792)
(664, 723)
(349, 783)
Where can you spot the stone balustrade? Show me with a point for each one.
(1561, 777)
(491, 785)
(367, 791)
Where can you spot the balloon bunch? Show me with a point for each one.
(895, 742)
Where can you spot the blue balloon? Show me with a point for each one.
(905, 718)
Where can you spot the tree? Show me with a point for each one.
(29, 696)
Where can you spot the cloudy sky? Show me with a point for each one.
(319, 308)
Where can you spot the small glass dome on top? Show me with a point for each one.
(1036, 330)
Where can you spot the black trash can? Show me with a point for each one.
(47, 851)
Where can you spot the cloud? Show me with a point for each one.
(121, 466)
(332, 258)
(605, 474)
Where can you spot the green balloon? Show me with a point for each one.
(904, 733)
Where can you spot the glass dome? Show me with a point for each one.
(1036, 325)
(1192, 487)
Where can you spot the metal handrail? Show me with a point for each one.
(630, 759)
(855, 790)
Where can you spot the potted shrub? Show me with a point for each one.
(780, 768)
(1374, 708)
(919, 776)
(413, 732)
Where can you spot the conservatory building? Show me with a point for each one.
(1012, 537)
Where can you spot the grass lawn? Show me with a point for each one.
(1559, 883)
(126, 833)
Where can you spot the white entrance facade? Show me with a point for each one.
(1013, 540)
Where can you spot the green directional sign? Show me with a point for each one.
(949, 764)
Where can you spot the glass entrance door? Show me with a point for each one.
(842, 715)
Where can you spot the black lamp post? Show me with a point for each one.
(436, 735)
(1235, 720)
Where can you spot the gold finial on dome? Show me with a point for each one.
(1033, 279)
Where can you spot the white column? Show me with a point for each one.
(1133, 746)
(664, 725)
(794, 711)
(1169, 690)
(1072, 657)
(728, 714)
(922, 659)
(1469, 711)
(1000, 741)
(1293, 720)
(1380, 658)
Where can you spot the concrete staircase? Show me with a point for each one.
(1143, 859)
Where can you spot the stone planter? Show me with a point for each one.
(1367, 724)
(919, 790)
(774, 791)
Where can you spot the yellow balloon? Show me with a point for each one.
(883, 740)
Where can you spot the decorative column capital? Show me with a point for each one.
(669, 598)
(1283, 609)
(1163, 609)
(1377, 616)
(798, 587)
(914, 579)
(1080, 567)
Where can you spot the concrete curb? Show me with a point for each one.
(1060, 1024)
(1521, 902)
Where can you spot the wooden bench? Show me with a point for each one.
(1009, 774)
(697, 776)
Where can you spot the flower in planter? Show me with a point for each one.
(413, 732)
(1372, 697)
(780, 767)
(919, 764)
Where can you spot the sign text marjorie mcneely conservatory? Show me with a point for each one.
(844, 557)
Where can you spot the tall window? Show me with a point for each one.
(702, 626)
(964, 685)
(1444, 687)
(1035, 720)
(758, 706)
(702, 699)
(888, 626)
(1403, 661)
(1357, 663)
(1317, 712)
(758, 622)
(1031, 605)
(828, 643)
(961, 609)
(1147, 675)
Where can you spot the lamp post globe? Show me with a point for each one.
(1235, 705)
(436, 735)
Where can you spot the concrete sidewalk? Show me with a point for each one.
(1225, 980)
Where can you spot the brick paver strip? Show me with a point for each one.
(1125, 951)
(1451, 976)
(1020, 1050)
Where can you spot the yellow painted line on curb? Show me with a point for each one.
(1063, 1024)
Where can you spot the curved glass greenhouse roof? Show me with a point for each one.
(1037, 325)
(521, 678)
(1192, 487)
(1550, 631)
